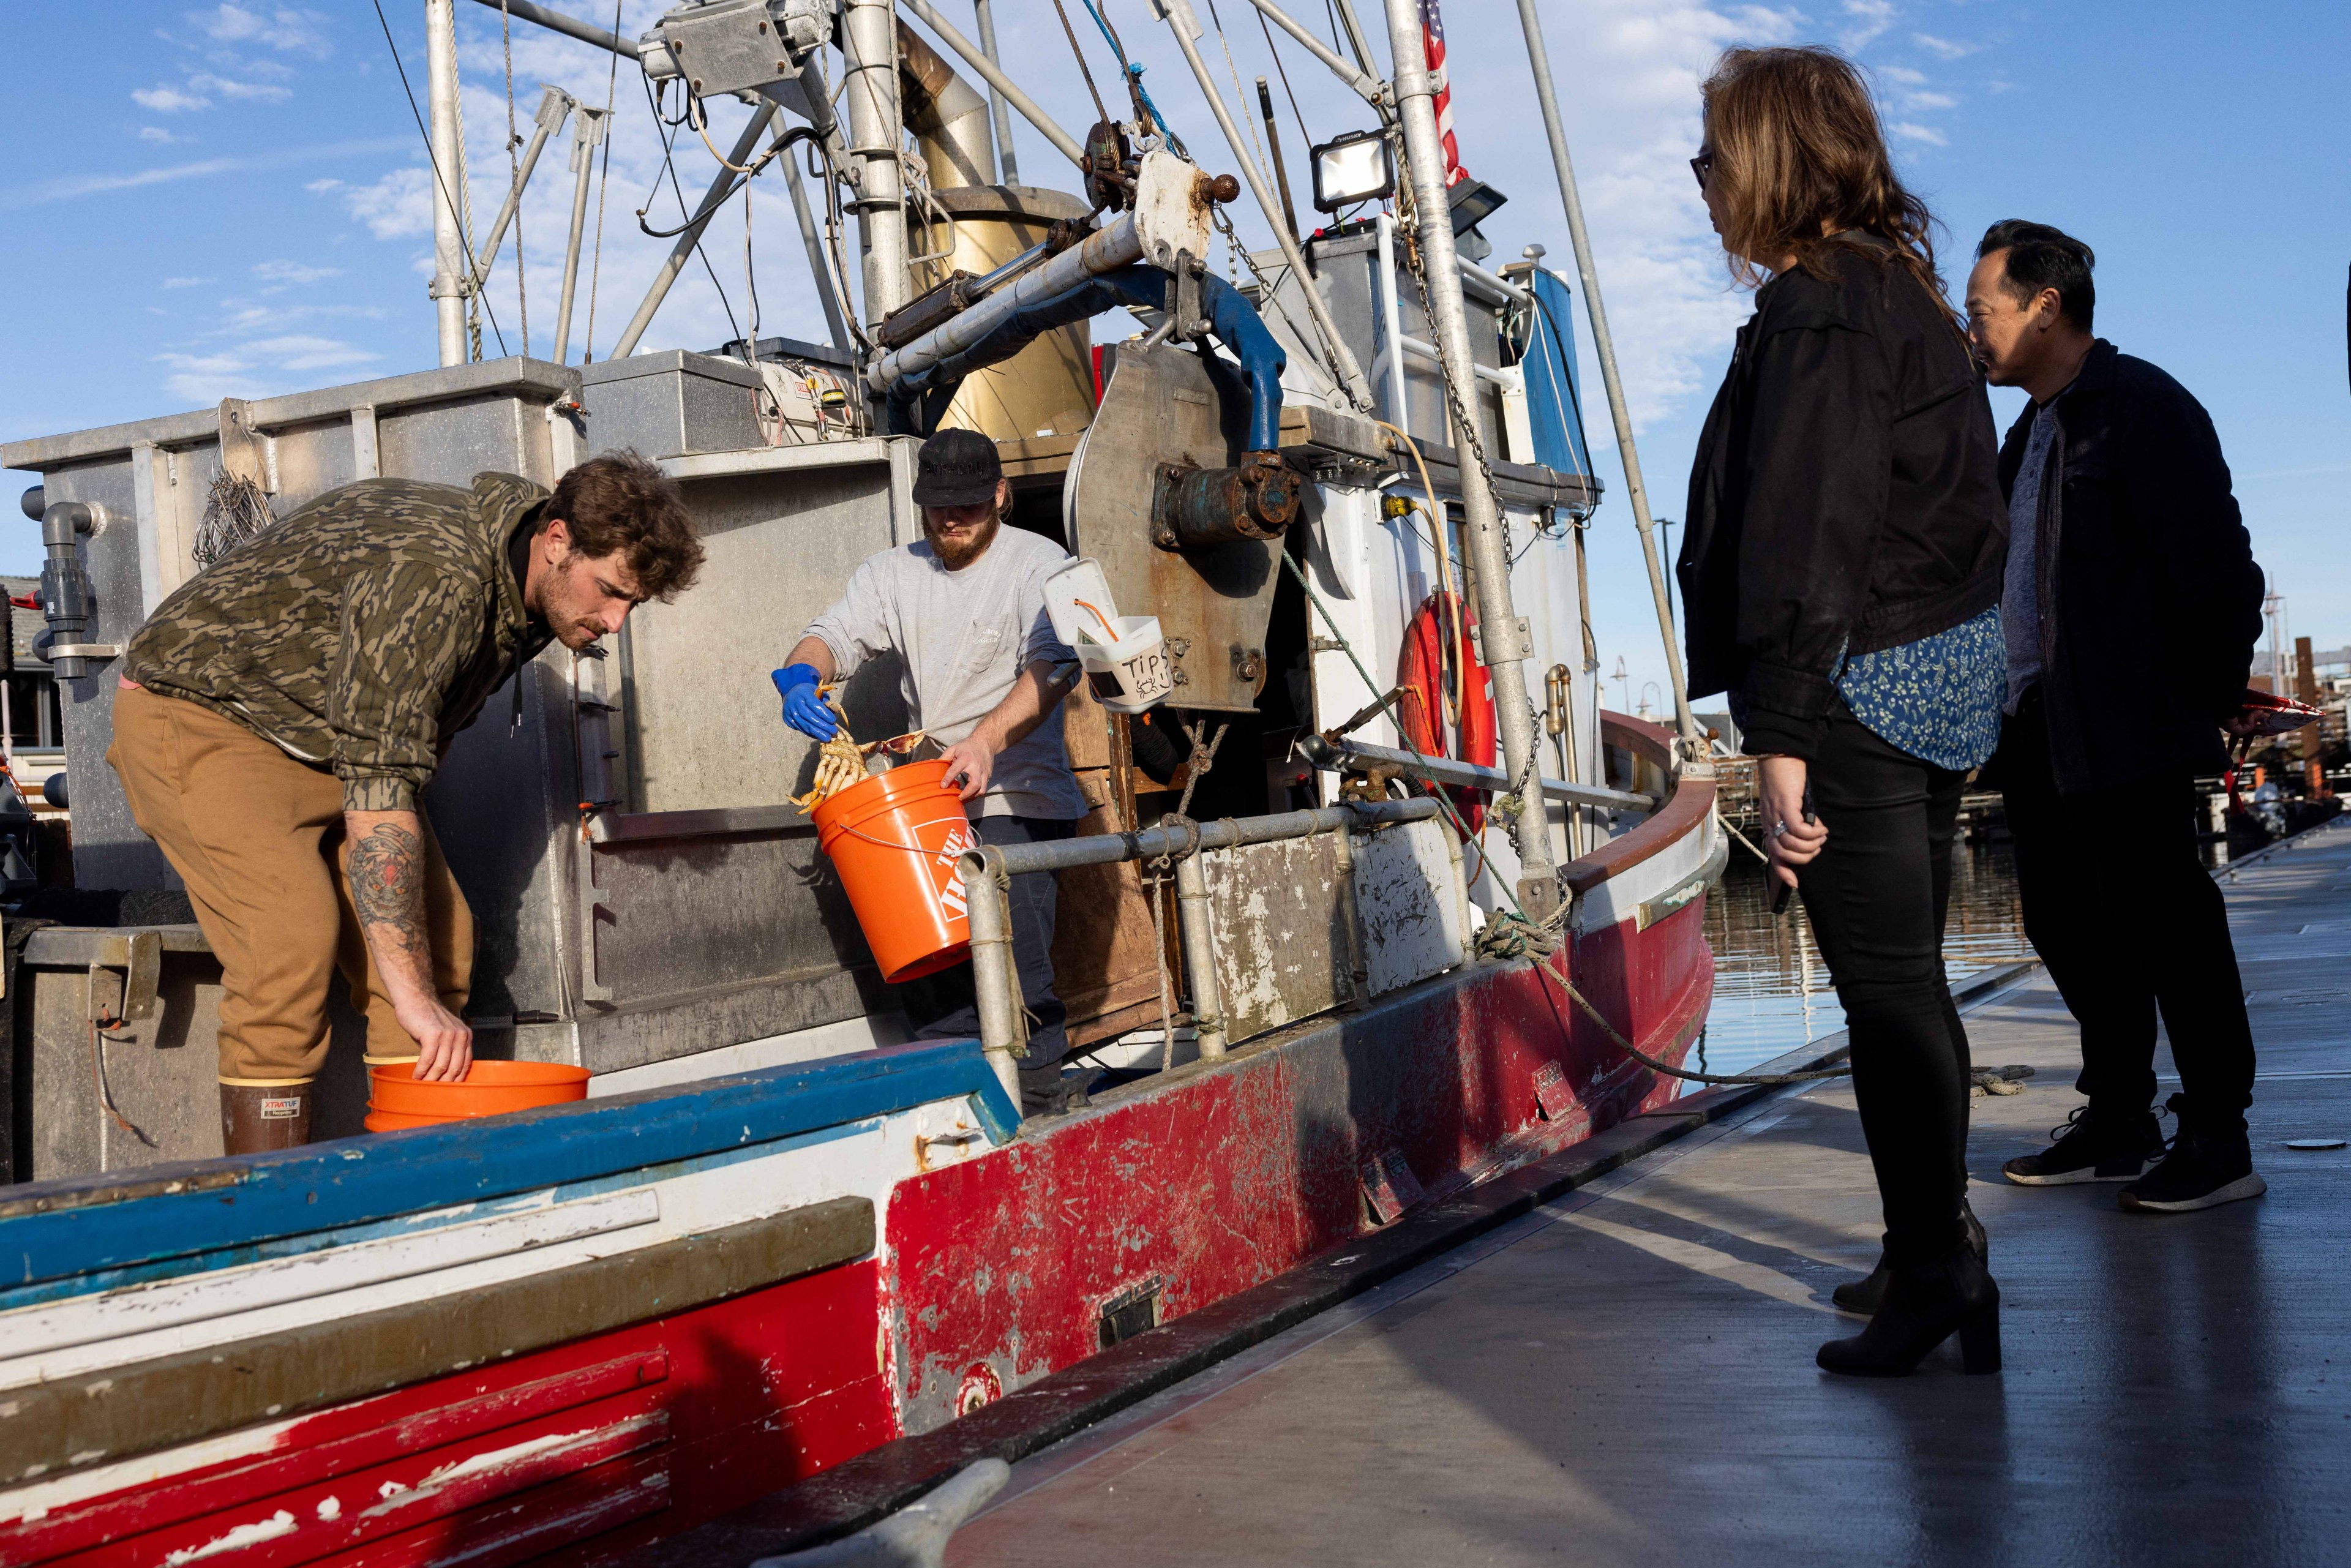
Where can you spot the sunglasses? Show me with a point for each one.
(1701, 166)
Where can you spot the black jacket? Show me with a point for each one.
(2150, 601)
(1844, 497)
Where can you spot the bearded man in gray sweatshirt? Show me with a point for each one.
(963, 609)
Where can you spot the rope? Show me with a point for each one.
(514, 175)
(466, 213)
(1240, 95)
(603, 184)
(1198, 770)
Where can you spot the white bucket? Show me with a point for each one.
(1124, 658)
(1130, 674)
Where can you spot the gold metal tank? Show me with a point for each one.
(1048, 388)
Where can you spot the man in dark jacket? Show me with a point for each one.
(2131, 610)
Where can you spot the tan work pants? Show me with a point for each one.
(258, 838)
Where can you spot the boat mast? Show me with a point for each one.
(452, 268)
(869, 37)
(1693, 744)
(1504, 643)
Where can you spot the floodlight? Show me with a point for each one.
(1473, 201)
(1356, 167)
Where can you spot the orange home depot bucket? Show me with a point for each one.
(897, 839)
(400, 1099)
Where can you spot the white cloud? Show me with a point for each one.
(167, 99)
(1871, 17)
(66, 186)
(1904, 75)
(1923, 102)
(244, 91)
(320, 187)
(184, 282)
(293, 272)
(1944, 47)
(1909, 131)
(160, 137)
(278, 28)
(396, 205)
(307, 354)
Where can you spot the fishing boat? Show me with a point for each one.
(1395, 929)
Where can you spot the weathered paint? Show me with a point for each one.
(1236, 1171)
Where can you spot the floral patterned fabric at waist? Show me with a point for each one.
(1939, 698)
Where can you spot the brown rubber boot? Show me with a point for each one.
(258, 1117)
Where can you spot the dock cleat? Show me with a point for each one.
(2091, 1148)
(2202, 1171)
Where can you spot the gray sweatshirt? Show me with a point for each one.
(964, 637)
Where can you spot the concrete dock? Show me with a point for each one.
(1626, 1374)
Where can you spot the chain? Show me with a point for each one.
(1266, 296)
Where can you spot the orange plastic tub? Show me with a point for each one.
(400, 1099)
(896, 839)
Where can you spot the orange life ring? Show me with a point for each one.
(1421, 674)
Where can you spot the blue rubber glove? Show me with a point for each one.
(804, 710)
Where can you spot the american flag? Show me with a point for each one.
(1432, 28)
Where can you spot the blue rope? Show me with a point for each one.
(1134, 74)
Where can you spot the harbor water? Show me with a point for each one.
(1772, 991)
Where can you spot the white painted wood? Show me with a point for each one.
(143, 499)
(1406, 905)
(367, 459)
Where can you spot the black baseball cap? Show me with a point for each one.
(957, 469)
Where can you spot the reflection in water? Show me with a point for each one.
(1772, 992)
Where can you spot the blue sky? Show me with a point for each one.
(229, 200)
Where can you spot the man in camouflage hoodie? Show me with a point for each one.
(279, 713)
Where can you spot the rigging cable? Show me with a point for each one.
(596, 268)
(1257, 144)
(1084, 70)
(669, 167)
(434, 164)
(1307, 137)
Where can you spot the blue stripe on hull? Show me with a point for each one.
(358, 1182)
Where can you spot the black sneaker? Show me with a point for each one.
(2091, 1148)
(2201, 1171)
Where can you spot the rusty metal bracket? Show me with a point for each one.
(125, 976)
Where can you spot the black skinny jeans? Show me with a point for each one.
(2119, 904)
(1877, 895)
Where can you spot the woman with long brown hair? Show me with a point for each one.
(1841, 575)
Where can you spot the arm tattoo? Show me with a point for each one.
(388, 885)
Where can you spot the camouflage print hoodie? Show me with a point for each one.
(360, 633)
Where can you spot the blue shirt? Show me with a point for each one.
(1939, 698)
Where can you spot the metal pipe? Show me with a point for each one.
(1185, 24)
(450, 264)
(942, 110)
(1425, 350)
(1346, 754)
(820, 265)
(524, 11)
(1503, 635)
(995, 985)
(997, 109)
(1063, 142)
(1153, 843)
(1460, 891)
(1395, 324)
(1604, 346)
(1273, 147)
(714, 198)
(1499, 289)
(586, 135)
(1194, 915)
(1355, 44)
(1106, 250)
(1361, 80)
(869, 37)
(553, 110)
(1359, 972)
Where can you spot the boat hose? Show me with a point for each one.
(1230, 316)
(1509, 934)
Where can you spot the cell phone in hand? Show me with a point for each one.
(1787, 889)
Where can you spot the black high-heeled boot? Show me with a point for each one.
(1862, 1297)
(1925, 1306)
